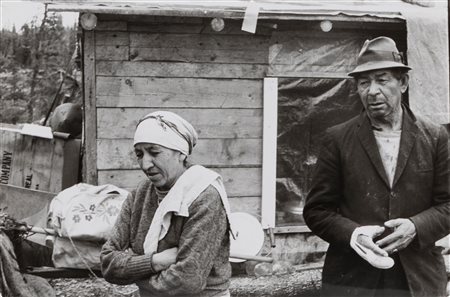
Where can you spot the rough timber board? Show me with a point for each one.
(176, 100)
(173, 69)
(199, 41)
(232, 27)
(178, 92)
(119, 153)
(251, 205)
(112, 52)
(239, 182)
(111, 26)
(259, 56)
(116, 123)
(111, 38)
(150, 19)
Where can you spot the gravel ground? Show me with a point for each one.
(297, 284)
(90, 287)
(302, 284)
(305, 283)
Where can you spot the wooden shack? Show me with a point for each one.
(259, 101)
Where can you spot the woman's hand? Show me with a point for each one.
(164, 259)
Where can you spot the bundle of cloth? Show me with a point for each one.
(13, 283)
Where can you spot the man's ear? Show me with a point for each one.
(404, 82)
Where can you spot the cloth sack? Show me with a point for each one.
(86, 212)
(76, 254)
(12, 281)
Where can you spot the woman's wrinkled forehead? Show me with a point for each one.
(147, 146)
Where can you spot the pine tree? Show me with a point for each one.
(31, 61)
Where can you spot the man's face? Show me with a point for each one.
(381, 93)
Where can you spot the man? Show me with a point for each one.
(380, 192)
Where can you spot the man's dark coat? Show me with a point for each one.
(350, 189)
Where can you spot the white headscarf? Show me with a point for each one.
(167, 129)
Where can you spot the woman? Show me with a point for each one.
(171, 237)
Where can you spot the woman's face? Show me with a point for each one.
(163, 166)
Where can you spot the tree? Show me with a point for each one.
(31, 61)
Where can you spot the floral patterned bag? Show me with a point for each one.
(86, 212)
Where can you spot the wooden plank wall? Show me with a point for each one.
(213, 80)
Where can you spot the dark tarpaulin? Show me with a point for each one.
(306, 108)
(293, 54)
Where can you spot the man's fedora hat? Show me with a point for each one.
(379, 53)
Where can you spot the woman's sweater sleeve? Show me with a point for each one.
(118, 262)
(203, 234)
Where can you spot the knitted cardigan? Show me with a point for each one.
(202, 267)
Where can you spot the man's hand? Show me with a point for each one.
(362, 242)
(367, 242)
(164, 259)
(366, 238)
(404, 233)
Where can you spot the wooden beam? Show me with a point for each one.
(144, 11)
(298, 13)
(52, 272)
(90, 112)
(291, 229)
(280, 71)
(269, 169)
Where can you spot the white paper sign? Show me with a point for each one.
(251, 17)
(37, 130)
